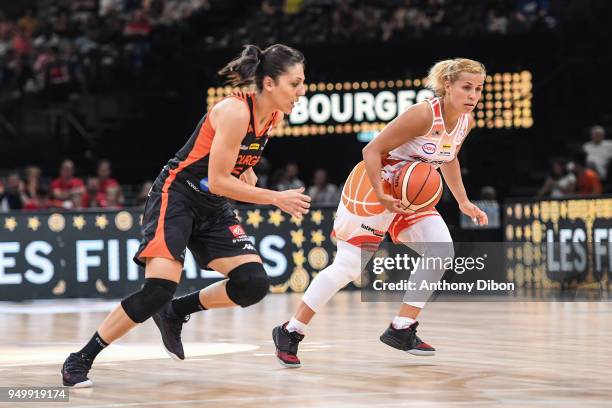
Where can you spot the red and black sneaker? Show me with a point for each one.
(286, 343)
(407, 340)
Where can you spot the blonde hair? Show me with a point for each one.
(449, 70)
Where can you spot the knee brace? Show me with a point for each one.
(155, 293)
(248, 284)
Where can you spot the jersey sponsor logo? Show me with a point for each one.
(429, 148)
(254, 146)
(248, 247)
(244, 147)
(376, 232)
(446, 150)
(426, 160)
(237, 230)
(204, 184)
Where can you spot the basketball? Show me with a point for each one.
(358, 196)
(418, 185)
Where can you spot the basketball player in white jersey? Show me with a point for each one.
(431, 131)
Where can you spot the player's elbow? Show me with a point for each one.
(216, 185)
(366, 151)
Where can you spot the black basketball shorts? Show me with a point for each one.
(174, 221)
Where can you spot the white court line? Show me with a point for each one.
(350, 395)
(36, 308)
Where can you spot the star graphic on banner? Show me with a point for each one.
(254, 218)
(296, 221)
(298, 258)
(275, 217)
(33, 223)
(78, 222)
(317, 217)
(317, 237)
(10, 224)
(101, 221)
(297, 237)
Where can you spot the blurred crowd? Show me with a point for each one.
(325, 21)
(79, 45)
(588, 172)
(30, 190)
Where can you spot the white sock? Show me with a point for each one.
(295, 325)
(400, 322)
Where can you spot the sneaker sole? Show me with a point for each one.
(392, 343)
(286, 365)
(170, 353)
(82, 384)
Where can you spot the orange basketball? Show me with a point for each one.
(418, 185)
(358, 196)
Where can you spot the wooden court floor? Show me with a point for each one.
(489, 354)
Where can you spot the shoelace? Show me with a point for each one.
(79, 365)
(294, 339)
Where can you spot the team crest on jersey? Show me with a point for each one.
(429, 148)
(237, 230)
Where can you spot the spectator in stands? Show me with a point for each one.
(588, 181)
(106, 183)
(40, 200)
(598, 151)
(322, 192)
(113, 198)
(559, 182)
(12, 195)
(289, 179)
(262, 170)
(91, 197)
(32, 180)
(64, 188)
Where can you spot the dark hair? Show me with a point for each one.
(253, 64)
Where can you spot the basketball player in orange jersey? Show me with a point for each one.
(431, 131)
(188, 207)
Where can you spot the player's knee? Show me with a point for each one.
(248, 284)
(153, 295)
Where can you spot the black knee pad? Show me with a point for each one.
(155, 293)
(248, 284)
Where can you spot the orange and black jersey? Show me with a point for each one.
(187, 171)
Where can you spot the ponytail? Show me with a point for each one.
(253, 65)
(449, 70)
(241, 70)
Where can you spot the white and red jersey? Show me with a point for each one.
(436, 147)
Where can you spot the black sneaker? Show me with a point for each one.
(407, 340)
(286, 343)
(74, 371)
(170, 326)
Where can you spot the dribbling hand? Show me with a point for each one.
(293, 202)
(476, 214)
(392, 204)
